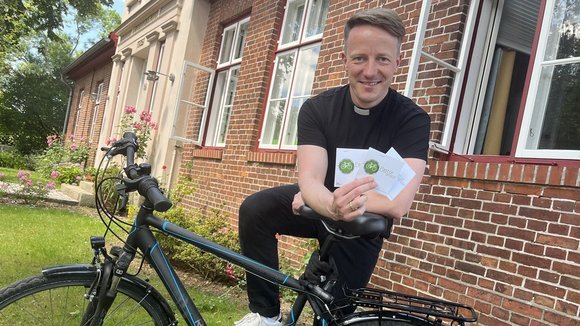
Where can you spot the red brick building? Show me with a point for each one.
(91, 73)
(496, 222)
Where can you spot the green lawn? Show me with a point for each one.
(36, 237)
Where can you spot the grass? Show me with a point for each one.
(36, 237)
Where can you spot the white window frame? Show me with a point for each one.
(534, 87)
(459, 70)
(232, 60)
(298, 47)
(179, 124)
(219, 107)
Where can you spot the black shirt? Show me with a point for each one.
(329, 120)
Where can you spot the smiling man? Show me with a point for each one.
(365, 113)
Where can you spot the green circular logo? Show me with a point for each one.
(346, 166)
(371, 167)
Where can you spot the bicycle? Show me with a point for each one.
(104, 293)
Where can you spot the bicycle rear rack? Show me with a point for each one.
(425, 307)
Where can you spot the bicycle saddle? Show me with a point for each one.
(368, 225)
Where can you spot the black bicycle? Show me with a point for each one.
(104, 293)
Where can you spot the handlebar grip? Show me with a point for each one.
(150, 190)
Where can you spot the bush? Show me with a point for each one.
(12, 159)
(70, 151)
(68, 173)
(213, 226)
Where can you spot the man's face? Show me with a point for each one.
(371, 58)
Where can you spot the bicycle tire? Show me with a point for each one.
(42, 300)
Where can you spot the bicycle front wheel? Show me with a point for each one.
(60, 300)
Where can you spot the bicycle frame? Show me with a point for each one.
(143, 238)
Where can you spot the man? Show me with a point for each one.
(365, 113)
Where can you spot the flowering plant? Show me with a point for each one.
(30, 191)
(71, 151)
(142, 126)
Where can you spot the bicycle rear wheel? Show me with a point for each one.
(388, 319)
(60, 300)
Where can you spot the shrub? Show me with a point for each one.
(60, 151)
(214, 227)
(28, 190)
(67, 173)
(12, 159)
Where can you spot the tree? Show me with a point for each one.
(33, 97)
(21, 18)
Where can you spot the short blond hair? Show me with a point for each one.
(383, 18)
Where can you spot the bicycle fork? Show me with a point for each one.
(103, 291)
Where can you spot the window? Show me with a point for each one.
(489, 73)
(551, 122)
(231, 52)
(76, 129)
(225, 87)
(294, 69)
(233, 41)
(97, 96)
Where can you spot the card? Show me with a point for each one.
(348, 161)
(384, 168)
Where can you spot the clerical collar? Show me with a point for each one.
(361, 111)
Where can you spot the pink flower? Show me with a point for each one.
(73, 146)
(145, 116)
(54, 174)
(164, 167)
(138, 126)
(130, 109)
(50, 186)
(78, 177)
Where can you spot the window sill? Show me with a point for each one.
(284, 158)
(507, 170)
(212, 153)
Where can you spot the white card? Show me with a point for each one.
(384, 168)
(348, 161)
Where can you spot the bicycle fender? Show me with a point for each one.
(77, 269)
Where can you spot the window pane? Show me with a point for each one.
(273, 123)
(226, 49)
(293, 22)
(226, 110)
(282, 76)
(291, 134)
(305, 69)
(317, 18)
(558, 113)
(241, 40)
(564, 35)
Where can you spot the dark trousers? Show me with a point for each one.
(267, 213)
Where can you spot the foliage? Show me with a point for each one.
(213, 226)
(68, 173)
(142, 126)
(34, 97)
(12, 159)
(22, 18)
(64, 156)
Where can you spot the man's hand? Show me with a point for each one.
(297, 203)
(349, 201)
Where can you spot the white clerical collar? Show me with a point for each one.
(361, 111)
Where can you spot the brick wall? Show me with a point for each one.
(501, 237)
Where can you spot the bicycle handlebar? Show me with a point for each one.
(138, 177)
